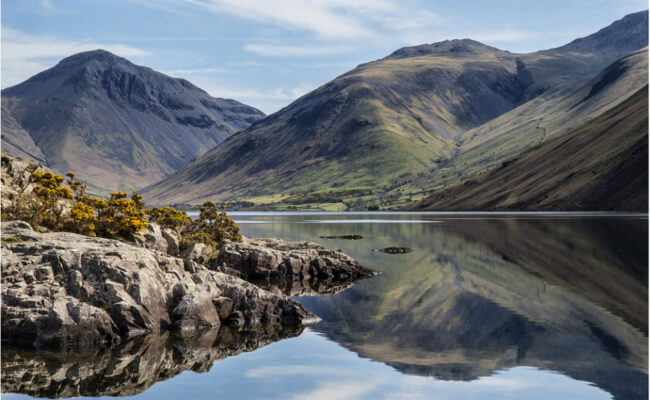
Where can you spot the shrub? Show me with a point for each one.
(212, 227)
(59, 204)
(55, 206)
(168, 217)
(119, 217)
(48, 208)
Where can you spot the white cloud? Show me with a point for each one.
(285, 94)
(328, 19)
(197, 71)
(47, 5)
(338, 391)
(293, 51)
(284, 370)
(505, 35)
(268, 100)
(25, 55)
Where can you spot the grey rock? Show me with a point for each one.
(278, 260)
(62, 289)
(151, 238)
(16, 176)
(173, 244)
(199, 253)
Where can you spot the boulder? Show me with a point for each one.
(61, 289)
(16, 177)
(151, 238)
(173, 244)
(154, 237)
(199, 253)
(278, 260)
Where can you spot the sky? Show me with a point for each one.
(268, 53)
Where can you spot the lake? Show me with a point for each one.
(486, 306)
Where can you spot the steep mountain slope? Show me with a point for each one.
(116, 124)
(600, 165)
(511, 134)
(391, 119)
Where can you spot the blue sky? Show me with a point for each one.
(267, 53)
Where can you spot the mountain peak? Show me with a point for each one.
(129, 125)
(626, 34)
(451, 48)
(98, 56)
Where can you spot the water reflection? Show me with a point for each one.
(129, 368)
(479, 296)
(308, 287)
(531, 308)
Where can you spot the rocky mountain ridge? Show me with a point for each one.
(119, 125)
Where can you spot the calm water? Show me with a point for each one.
(485, 307)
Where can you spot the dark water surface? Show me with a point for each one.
(486, 306)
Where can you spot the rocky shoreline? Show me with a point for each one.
(64, 290)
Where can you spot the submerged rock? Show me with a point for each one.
(276, 260)
(62, 289)
(346, 237)
(396, 250)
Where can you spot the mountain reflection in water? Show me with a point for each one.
(482, 295)
(484, 307)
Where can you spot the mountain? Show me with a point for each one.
(600, 165)
(389, 121)
(477, 296)
(116, 124)
(505, 138)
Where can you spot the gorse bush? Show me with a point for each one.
(168, 217)
(212, 227)
(63, 205)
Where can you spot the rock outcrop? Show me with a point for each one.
(63, 290)
(276, 260)
(154, 237)
(131, 367)
(16, 175)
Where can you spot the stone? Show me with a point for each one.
(200, 253)
(195, 311)
(278, 260)
(16, 176)
(172, 242)
(105, 289)
(151, 238)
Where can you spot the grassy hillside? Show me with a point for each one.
(600, 165)
(393, 130)
(359, 131)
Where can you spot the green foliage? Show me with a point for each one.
(60, 206)
(212, 227)
(63, 205)
(169, 217)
